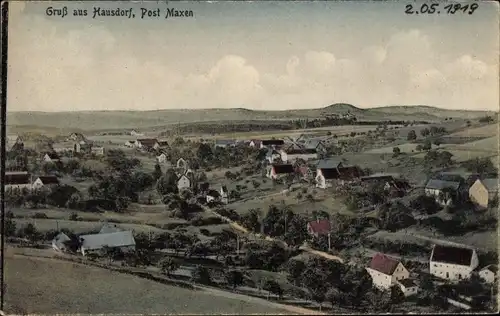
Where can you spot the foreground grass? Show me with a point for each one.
(37, 285)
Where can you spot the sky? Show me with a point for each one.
(255, 55)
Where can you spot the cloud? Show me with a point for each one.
(92, 68)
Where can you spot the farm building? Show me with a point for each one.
(51, 157)
(291, 155)
(280, 171)
(386, 271)
(441, 190)
(489, 273)
(17, 180)
(58, 243)
(124, 240)
(319, 227)
(272, 143)
(147, 144)
(484, 192)
(452, 263)
(45, 181)
(408, 287)
(326, 176)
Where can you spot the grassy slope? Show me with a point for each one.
(49, 287)
(107, 120)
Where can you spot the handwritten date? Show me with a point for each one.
(438, 8)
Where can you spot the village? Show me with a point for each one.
(306, 218)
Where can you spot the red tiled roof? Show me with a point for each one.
(384, 264)
(320, 227)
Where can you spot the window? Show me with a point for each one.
(459, 276)
(447, 275)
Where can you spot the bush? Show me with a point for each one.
(40, 215)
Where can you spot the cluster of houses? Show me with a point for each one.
(110, 236)
(451, 263)
(23, 180)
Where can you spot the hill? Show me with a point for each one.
(109, 120)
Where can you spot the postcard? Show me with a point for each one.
(249, 157)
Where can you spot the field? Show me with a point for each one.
(46, 286)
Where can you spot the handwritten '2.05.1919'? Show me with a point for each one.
(144, 13)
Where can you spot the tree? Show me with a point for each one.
(31, 233)
(419, 147)
(396, 151)
(411, 135)
(10, 227)
(427, 145)
(425, 203)
(397, 295)
(167, 183)
(157, 173)
(273, 287)
(201, 275)
(437, 142)
(167, 265)
(425, 132)
(481, 166)
(234, 278)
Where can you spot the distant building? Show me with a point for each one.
(124, 240)
(272, 143)
(59, 242)
(484, 192)
(17, 180)
(319, 227)
(438, 189)
(163, 144)
(45, 181)
(97, 150)
(184, 180)
(280, 171)
(325, 177)
(76, 137)
(136, 133)
(147, 144)
(452, 263)
(329, 164)
(292, 155)
(51, 157)
(223, 143)
(224, 193)
(255, 143)
(82, 148)
(182, 164)
(489, 273)
(386, 271)
(161, 158)
(130, 143)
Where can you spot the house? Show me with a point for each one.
(109, 228)
(17, 180)
(45, 181)
(255, 143)
(276, 171)
(97, 150)
(452, 263)
(272, 155)
(291, 155)
(484, 192)
(319, 227)
(59, 242)
(184, 180)
(316, 144)
(440, 190)
(161, 158)
(136, 133)
(223, 143)
(130, 143)
(51, 157)
(326, 176)
(181, 164)
(386, 271)
(272, 143)
(75, 137)
(329, 164)
(392, 182)
(163, 144)
(124, 240)
(83, 148)
(408, 287)
(489, 273)
(213, 196)
(224, 194)
(147, 144)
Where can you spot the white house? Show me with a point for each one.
(386, 271)
(183, 182)
(436, 188)
(224, 194)
(325, 176)
(161, 158)
(45, 181)
(452, 263)
(408, 287)
(130, 143)
(58, 243)
(17, 180)
(489, 273)
(96, 242)
(51, 157)
(291, 155)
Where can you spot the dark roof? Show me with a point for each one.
(452, 255)
(384, 264)
(17, 178)
(407, 283)
(320, 227)
(269, 142)
(379, 176)
(492, 267)
(213, 193)
(163, 143)
(304, 151)
(491, 184)
(52, 155)
(350, 172)
(280, 169)
(329, 163)
(49, 179)
(148, 141)
(441, 184)
(400, 184)
(330, 173)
